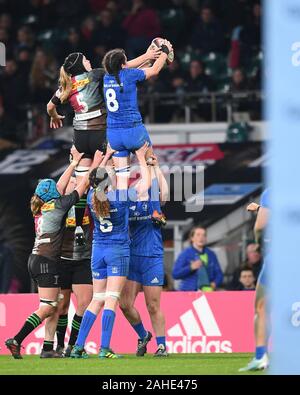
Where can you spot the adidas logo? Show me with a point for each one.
(200, 323)
(155, 280)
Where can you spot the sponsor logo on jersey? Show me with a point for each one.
(71, 221)
(80, 84)
(48, 206)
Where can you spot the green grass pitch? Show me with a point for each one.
(198, 364)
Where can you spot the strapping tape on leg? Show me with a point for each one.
(81, 171)
(100, 296)
(123, 171)
(114, 295)
(60, 297)
(48, 302)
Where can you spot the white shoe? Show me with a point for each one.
(256, 364)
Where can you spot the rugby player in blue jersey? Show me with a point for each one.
(125, 129)
(110, 252)
(146, 268)
(261, 360)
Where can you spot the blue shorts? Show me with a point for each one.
(125, 141)
(146, 270)
(110, 261)
(262, 277)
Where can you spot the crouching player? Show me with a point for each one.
(110, 252)
(49, 207)
(146, 269)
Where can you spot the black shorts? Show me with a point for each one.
(75, 272)
(89, 141)
(44, 271)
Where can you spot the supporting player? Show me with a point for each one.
(49, 206)
(110, 252)
(146, 268)
(75, 275)
(261, 360)
(125, 129)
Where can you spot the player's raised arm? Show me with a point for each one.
(150, 55)
(166, 48)
(65, 177)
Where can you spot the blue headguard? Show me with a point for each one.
(46, 190)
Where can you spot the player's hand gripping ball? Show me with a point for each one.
(157, 43)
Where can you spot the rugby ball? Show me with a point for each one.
(156, 43)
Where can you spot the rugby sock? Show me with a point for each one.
(61, 328)
(108, 319)
(31, 323)
(79, 210)
(140, 330)
(260, 351)
(75, 329)
(161, 340)
(48, 345)
(85, 327)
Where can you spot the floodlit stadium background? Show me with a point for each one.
(203, 110)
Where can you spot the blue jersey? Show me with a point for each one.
(265, 199)
(114, 228)
(146, 239)
(122, 107)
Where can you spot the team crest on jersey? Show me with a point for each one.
(145, 206)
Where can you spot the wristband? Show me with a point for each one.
(165, 49)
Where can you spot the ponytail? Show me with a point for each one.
(35, 205)
(65, 83)
(100, 204)
(112, 63)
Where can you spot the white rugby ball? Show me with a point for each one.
(156, 43)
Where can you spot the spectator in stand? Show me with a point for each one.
(197, 80)
(253, 261)
(25, 39)
(97, 6)
(197, 267)
(247, 280)
(24, 60)
(251, 32)
(142, 25)
(43, 76)
(239, 81)
(208, 33)
(108, 35)
(13, 89)
(73, 43)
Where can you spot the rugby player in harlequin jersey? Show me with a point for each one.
(125, 129)
(49, 207)
(110, 252)
(75, 274)
(260, 360)
(146, 268)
